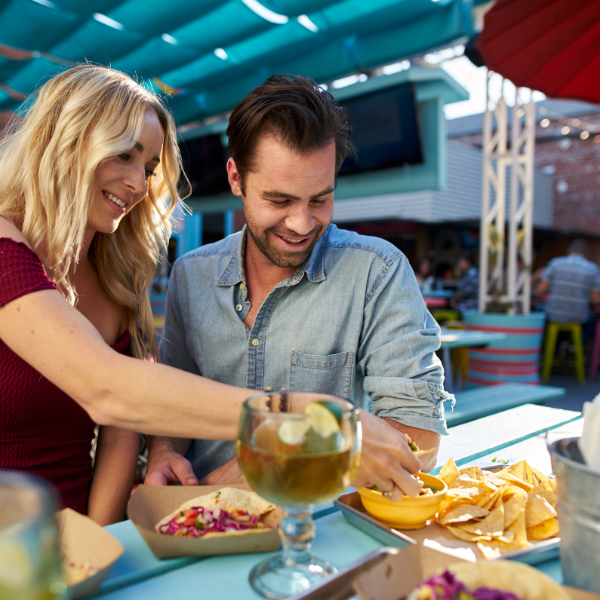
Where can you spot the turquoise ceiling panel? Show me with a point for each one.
(28, 25)
(229, 24)
(293, 8)
(87, 7)
(97, 42)
(172, 43)
(35, 73)
(155, 56)
(154, 17)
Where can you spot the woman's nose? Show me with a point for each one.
(136, 180)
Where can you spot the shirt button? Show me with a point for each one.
(242, 285)
(255, 342)
(238, 307)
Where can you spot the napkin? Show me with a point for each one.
(589, 443)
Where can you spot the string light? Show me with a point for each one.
(597, 139)
(584, 135)
(545, 122)
(565, 130)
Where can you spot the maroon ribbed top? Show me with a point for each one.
(42, 430)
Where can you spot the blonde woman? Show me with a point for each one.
(86, 179)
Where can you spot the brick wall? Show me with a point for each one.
(576, 165)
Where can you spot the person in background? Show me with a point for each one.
(573, 284)
(466, 296)
(292, 301)
(88, 183)
(424, 277)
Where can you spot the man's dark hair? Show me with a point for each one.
(578, 246)
(470, 256)
(301, 114)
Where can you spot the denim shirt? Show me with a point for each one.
(350, 321)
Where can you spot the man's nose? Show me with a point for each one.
(300, 220)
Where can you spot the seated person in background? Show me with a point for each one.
(88, 183)
(292, 302)
(466, 296)
(573, 283)
(424, 277)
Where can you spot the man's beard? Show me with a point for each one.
(263, 242)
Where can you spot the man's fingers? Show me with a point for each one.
(184, 472)
(156, 477)
(408, 484)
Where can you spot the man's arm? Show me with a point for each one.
(403, 377)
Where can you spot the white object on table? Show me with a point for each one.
(589, 444)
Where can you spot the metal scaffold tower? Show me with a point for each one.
(505, 253)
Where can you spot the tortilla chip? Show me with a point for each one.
(492, 525)
(474, 472)
(463, 513)
(543, 531)
(420, 453)
(538, 510)
(518, 528)
(461, 534)
(449, 472)
(523, 471)
(516, 481)
(466, 481)
(489, 500)
(541, 490)
(514, 507)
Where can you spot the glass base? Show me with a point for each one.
(277, 578)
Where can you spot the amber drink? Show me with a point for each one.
(298, 451)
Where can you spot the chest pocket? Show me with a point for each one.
(330, 374)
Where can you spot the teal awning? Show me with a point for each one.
(207, 54)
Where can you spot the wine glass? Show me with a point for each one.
(297, 450)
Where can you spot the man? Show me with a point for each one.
(574, 284)
(466, 296)
(292, 302)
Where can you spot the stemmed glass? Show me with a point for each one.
(296, 450)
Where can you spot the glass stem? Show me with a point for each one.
(296, 531)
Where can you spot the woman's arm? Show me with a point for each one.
(114, 474)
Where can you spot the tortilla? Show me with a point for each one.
(228, 499)
(523, 581)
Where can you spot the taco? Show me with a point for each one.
(494, 580)
(228, 511)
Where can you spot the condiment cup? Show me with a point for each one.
(409, 512)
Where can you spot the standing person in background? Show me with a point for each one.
(466, 296)
(573, 283)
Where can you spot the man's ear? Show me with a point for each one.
(234, 178)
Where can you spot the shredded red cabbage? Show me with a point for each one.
(207, 521)
(447, 587)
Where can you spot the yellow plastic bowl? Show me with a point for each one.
(408, 513)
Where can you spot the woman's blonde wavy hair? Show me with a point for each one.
(48, 160)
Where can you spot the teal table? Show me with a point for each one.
(515, 434)
(457, 338)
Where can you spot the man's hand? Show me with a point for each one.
(166, 465)
(424, 439)
(227, 473)
(386, 459)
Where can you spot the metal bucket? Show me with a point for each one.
(578, 508)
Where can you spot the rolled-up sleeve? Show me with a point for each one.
(402, 374)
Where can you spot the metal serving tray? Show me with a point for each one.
(339, 586)
(355, 513)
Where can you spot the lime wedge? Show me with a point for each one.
(293, 433)
(322, 417)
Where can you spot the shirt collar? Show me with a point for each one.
(313, 266)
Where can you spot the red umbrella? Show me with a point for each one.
(547, 45)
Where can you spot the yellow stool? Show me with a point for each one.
(550, 345)
(444, 314)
